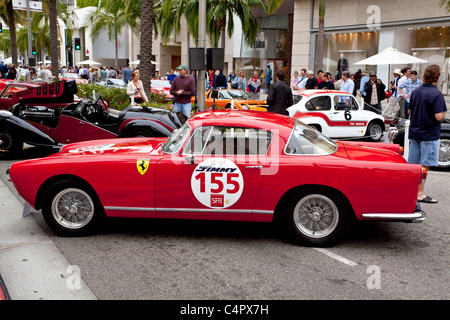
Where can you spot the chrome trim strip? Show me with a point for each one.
(187, 210)
(418, 216)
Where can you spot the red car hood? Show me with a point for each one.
(379, 152)
(125, 146)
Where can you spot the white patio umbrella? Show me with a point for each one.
(89, 62)
(45, 62)
(7, 60)
(139, 61)
(390, 56)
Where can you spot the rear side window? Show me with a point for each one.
(237, 141)
(319, 104)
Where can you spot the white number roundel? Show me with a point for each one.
(217, 183)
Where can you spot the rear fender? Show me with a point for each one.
(157, 128)
(26, 131)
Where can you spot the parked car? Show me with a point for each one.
(243, 100)
(336, 114)
(52, 126)
(37, 93)
(73, 77)
(162, 87)
(397, 135)
(225, 165)
(113, 82)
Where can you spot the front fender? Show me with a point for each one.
(26, 131)
(157, 128)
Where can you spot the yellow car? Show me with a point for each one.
(222, 99)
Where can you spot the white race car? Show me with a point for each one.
(336, 114)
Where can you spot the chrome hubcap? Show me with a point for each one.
(72, 208)
(444, 152)
(316, 216)
(375, 132)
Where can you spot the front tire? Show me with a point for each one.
(316, 217)
(71, 208)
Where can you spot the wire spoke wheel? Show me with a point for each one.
(316, 216)
(444, 153)
(72, 208)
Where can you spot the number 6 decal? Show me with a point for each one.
(347, 115)
(217, 183)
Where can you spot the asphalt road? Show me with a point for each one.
(135, 259)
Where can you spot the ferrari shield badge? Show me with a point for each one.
(142, 165)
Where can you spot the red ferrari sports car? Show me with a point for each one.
(225, 165)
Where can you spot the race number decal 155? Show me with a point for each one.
(217, 183)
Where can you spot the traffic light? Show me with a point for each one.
(1, 27)
(34, 52)
(77, 44)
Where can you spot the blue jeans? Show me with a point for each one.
(183, 107)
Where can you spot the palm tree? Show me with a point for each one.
(446, 4)
(11, 17)
(320, 35)
(219, 18)
(110, 15)
(52, 15)
(146, 43)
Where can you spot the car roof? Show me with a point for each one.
(244, 118)
(312, 92)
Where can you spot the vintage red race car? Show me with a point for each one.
(13, 92)
(225, 165)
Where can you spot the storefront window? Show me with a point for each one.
(342, 50)
(272, 47)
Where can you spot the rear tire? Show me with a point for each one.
(71, 208)
(374, 131)
(444, 151)
(10, 143)
(316, 217)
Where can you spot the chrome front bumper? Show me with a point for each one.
(418, 216)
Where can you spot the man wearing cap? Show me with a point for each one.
(375, 93)
(182, 89)
(394, 107)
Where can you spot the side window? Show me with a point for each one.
(345, 103)
(198, 140)
(238, 141)
(319, 104)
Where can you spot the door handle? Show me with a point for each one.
(253, 167)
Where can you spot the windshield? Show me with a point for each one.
(236, 94)
(177, 139)
(118, 82)
(305, 140)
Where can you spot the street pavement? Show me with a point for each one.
(32, 267)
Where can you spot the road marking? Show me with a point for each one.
(337, 257)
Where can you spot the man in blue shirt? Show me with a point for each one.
(127, 74)
(408, 87)
(171, 76)
(364, 79)
(427, 108)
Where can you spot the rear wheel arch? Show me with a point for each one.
(287, 206)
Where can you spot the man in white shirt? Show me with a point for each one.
(302, 78)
